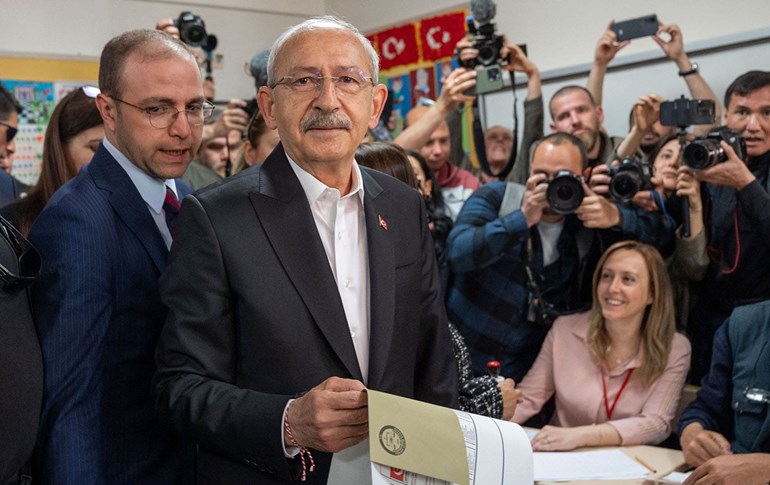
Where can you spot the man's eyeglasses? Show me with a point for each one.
(10, 132)
(27, 256)
(165, 116)
(348, 84)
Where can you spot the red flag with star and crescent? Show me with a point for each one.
(397, 46)
(440, 34)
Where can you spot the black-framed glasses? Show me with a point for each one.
(26, 255)
(164, 116)
(10, 132)
(351, 83)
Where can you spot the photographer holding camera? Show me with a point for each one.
(669, 38)
(737, 211)
(520, 255)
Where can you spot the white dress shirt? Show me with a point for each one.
(152, 190)
(341, 226)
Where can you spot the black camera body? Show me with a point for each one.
(565, 192)
(628, 178)
(706, 151)
(683, 112)
(485, 39)
(192, 29)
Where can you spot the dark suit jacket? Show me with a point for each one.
(21, 373)
(7, 188)
(255, 317)
(98, 314)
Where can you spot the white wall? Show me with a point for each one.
(78, 29)
(559, 33)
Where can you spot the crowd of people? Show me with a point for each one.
(195, 296)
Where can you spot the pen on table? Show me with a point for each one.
(645, 464)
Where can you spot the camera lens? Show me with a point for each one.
(624, 185)
(703, 154)
(192, 29)
(565, 193)
(487, 55)
(195, 35)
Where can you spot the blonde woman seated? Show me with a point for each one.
(617, 371)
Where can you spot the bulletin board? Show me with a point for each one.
(39, 84)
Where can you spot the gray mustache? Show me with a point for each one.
(325, 120)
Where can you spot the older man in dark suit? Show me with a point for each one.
(294, 285)
(104, 238)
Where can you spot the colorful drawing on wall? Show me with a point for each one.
(402, 97)
(443, 69)
(423, 83)
(37, 100)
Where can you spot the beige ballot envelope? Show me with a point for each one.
(422, 438)
(415, 443)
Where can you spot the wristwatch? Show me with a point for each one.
(693, 70)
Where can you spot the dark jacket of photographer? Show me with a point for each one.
(489, 290)
(741, 362)
(737, 273)
(21, 373)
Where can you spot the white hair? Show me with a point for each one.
(319, 23)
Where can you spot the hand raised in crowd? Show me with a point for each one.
(599, 179)
(517, 59)
(674, 46)
(511, 397)
(608, 46)
(234, 117)
(555, 438)
(168, 26)
(688, 186)
(454, 87)
(749, 468)
(465, 51)
(330, 417)
(534, 201)
(646, 111)
(596, 211)
(733, 172)
(699, 445)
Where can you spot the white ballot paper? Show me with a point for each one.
(415, 443)
(586, 465)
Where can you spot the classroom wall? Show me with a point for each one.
(78, 29)
(560, 35)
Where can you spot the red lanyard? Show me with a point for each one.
(607, 407)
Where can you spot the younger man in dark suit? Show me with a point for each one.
(104, 239)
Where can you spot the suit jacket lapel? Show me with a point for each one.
(285, 215)
(128, 204)
(382, 276)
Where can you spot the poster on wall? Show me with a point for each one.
(38, 100)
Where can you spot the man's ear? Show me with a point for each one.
(600, 114)
(378, 103)
(108, 109)
(266, 106)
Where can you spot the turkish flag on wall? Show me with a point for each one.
(397, 46)
(440, 34)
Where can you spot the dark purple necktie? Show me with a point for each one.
(170, 208)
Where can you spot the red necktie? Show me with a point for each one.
(170, 208)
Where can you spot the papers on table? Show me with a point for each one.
(586, 465)
(437, 446)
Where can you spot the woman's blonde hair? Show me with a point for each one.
(658, 324)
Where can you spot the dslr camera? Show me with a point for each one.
(628, 178)
(485, 39)
(683, 112)
(565, 192)
(192, 29)
(706, 151)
